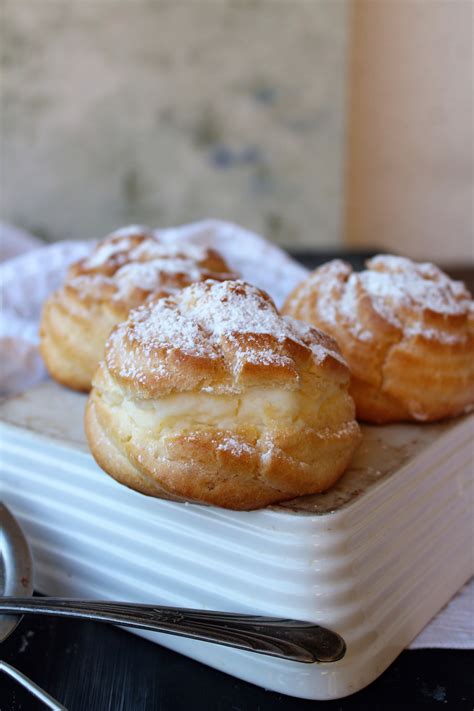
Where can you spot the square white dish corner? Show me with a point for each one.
(374, 559)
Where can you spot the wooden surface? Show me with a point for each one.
(94, 667)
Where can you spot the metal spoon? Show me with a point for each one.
(16, 573)
(277, 637)
(16, 568)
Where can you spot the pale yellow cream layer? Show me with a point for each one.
(259, 407)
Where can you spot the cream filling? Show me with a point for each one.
(259, 407)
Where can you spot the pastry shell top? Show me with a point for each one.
(217, 337)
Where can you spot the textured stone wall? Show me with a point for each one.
(167, 112)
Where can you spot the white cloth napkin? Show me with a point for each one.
(27, 279)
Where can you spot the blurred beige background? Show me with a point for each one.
(318, 123)
(410, 158)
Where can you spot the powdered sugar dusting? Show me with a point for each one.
(137, 244)
(237, 308)
(235, 446)
(150, 276)
(349, 305)
(155, 249)
(233, 308)
(320, 343)
(207, 318)
(405, 294)
(133, 263)
(397, 283)
(328, 299)
(119, 242)
(105, 251)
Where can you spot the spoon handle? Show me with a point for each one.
(277, 637)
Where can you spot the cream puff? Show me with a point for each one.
(406, 331)
(211, 396)
(123, 272)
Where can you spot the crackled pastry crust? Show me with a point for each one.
(123, 271)
(212, 396)
(406, 331)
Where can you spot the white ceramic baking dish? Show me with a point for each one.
(373, 559)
